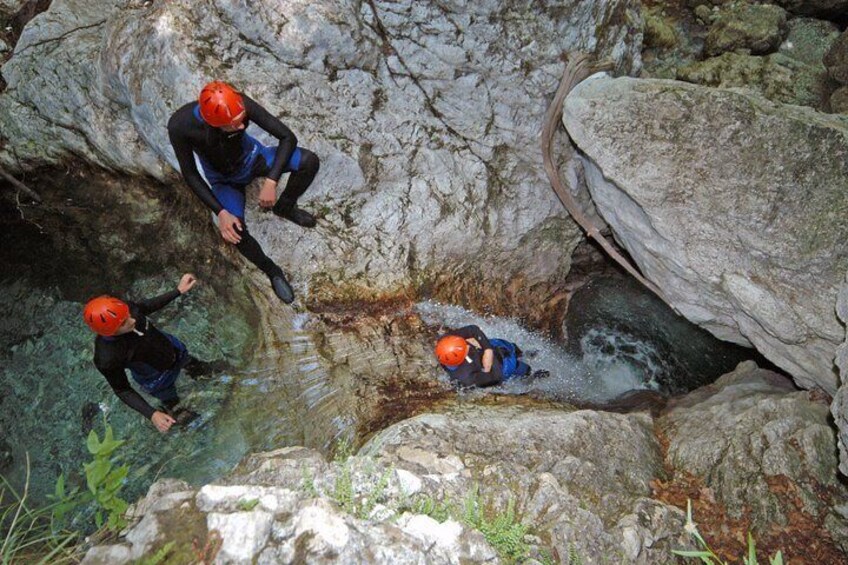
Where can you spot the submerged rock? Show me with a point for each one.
(732, 205)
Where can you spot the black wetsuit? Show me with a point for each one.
(471, 373)
(145, 349)
(223, 150)
(226, 153)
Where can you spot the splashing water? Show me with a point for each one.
(611, 363)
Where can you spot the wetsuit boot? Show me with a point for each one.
(281, 286)
(287, 209)
(184, 416)
(203, 370)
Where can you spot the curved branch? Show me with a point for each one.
(579, 67)
(20, 186)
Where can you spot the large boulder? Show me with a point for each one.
(425, 115)
(809, 39)
(732, 205)
(581, 479)
(764, 451)
(839, 100)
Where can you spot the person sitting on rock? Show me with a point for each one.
(472, 359)
(214, 129)
(128, 340)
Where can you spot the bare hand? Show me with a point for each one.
(186, 283)
(162, 421)
(268, 193)
(487, 360)
(474, 342)
(228, 223)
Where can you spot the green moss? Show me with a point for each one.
(659, 32)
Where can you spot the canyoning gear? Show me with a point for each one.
(282, 288)
(230, 161)
(224, 152)
(105, 314)
(507, 353)
(161, 384)
(296, 215)
(152, 356)
(451, 350)
(220, 104)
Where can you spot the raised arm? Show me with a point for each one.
(288, 142)
(151, 305)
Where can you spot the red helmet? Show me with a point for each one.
(220, 104)
(105, 314)
(451, 350)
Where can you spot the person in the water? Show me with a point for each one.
(127, 339)
(473, 359)
(213, 128)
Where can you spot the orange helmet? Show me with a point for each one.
(220, 104)
(451, 350)
(105, 314)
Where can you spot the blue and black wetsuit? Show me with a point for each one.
(505, 365)
(231, 160)
(153, 357)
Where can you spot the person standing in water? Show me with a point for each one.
(213, 128)
(127, 339)
(473, 359)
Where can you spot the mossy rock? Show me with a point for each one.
(659, 31)
(836, 59)
(839, 101)
(778, 77)
(809, 39)
(758, 28)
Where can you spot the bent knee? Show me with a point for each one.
(309, 161)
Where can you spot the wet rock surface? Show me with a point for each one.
(741, 251)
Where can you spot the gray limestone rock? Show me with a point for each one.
(754, 254)
(759, 445)
(758, 28)
(557, 467)
(426, 116)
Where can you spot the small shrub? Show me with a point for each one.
(503, 531)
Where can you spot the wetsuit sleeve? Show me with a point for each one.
(188, 168)
(288, 142)
(151, 305)
(467, 332)
(479, 378)
(117, 379)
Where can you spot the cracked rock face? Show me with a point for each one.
(839, 408)
(425, 115)
(754, 254)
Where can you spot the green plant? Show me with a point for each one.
(375, 494)
(104, 479)
(706, 554)
(32, 535)
(159, 556)
(308, 482)
(248, 504)
(503, 531)
(438, 510)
